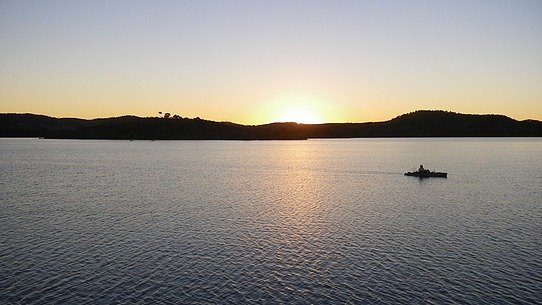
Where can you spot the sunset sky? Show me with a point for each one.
(255, 62)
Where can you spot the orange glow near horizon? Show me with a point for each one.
(298, 109)
(299, 114)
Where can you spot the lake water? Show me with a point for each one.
(291, 222)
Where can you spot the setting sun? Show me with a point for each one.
(298, 108)
(299, 115)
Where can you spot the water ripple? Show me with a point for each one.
(310, 222)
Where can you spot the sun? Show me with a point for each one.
(298, 108)
(300, 115)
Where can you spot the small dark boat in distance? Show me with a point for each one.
(425, 173)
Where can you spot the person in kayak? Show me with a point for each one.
(422, 170)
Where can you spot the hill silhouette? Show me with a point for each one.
(422, 123)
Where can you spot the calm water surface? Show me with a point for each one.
(292, 222)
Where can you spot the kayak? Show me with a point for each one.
(427, 174)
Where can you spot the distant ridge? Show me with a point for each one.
(421, 123)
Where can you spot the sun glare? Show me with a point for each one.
(298, 108)
(299, 115)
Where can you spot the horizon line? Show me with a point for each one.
(274, 122)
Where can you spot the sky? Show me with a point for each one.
(255, 62)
